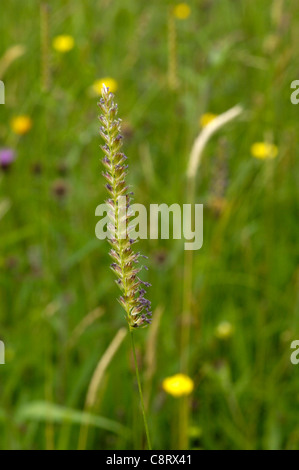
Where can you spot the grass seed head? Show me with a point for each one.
(125, 261)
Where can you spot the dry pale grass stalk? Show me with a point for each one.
(102, 367)
(192, 169)
(12, 54)
(87, 321)
(205, 135)
(97, 380)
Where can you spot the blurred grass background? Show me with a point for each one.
(54, 272)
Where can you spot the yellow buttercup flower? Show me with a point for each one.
(109, 82)
(63, 43)
(21, 124)
(224, 330)
(206, 118)
(182, 11)
(264, 150)
(178, 385)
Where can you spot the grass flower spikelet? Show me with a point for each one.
(125, 260)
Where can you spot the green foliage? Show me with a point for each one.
(54, 270)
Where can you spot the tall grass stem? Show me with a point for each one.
(140, 391)
(192, 169)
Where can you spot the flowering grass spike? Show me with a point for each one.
(125, 260)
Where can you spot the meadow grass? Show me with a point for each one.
(54, 270)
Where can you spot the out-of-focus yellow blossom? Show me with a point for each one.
(206, 118)
(224, 330)
(21, 124)
(178, 385)
(182, 11)
(109, 82)
(63, 43)
(264, 150)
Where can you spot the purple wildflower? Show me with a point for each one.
(7, 156)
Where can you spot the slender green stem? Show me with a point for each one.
(184, 411)
(184, 405)
(140, 391)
